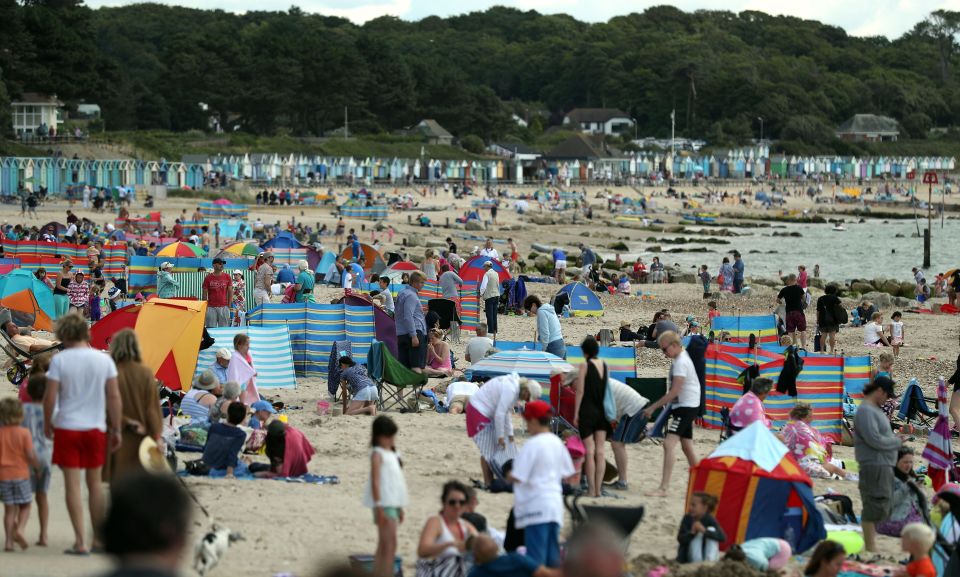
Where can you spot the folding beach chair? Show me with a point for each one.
(446, 309)
(392, 378)
(914, 406)
(651, 388)
(20, 359)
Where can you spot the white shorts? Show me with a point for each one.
(560, 264)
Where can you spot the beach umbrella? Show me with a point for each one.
(102, 331)
(23, 292)
(537, 365)
(939, 451)
(223, 202)
(242, 248)
(184, 249)
(59, 227)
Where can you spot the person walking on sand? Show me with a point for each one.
(82, 382)
(875, 447)
(684, 399)
(794, 300)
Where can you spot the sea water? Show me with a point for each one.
(868, 250)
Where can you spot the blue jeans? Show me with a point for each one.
(557, 348)
(543, 543)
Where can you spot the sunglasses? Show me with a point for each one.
(456, 502)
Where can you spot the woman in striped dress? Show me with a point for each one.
(239, 303)
(489, 421)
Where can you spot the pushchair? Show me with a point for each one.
(514, 293)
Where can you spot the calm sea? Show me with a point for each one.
(869, 249)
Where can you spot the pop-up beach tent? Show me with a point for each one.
(583, 301)
(761, 489)
(169, 331)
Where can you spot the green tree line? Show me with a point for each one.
(150, 66)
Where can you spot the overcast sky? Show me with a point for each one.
(858, 17)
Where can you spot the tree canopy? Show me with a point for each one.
(151, 66)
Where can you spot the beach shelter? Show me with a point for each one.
(472, 269)
(762, 491)
(537, 365)
(23, 292)
(583, 301)
(240, 248)
(102, 331)
(395, 271)
(374, 264)
(169, 331)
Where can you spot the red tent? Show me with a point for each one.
(473, 269)
(103, 330)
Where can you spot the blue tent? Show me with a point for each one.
(283, 240)
(583, 301)
(326, 261)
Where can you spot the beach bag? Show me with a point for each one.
(838, 314)
(454, 566)
(197, 468)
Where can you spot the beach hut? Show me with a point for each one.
(762, 491)
(583, 301)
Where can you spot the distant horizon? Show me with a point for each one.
(862, 18)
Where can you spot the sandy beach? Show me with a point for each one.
(297, 529)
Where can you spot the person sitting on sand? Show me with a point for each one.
(700, 534)
(826, 560)
(626, 334)
(873, 332)
(763, 554)
(359, 390)
(749, 407)
(224, 443)
(289, 452)
(909, 503)
(490, 563)
(439, 362)
(443, 540)
(231, 393)
(479, 346)
(808, 446)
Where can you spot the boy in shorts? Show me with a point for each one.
(684, 398)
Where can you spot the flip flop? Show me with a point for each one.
(72, 551)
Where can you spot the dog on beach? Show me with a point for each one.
(212, 547)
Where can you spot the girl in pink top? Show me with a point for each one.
(802, 277)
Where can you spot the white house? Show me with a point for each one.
(34, 110)
(598, 120)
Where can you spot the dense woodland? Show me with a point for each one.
(292, 73)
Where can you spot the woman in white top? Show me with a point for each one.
(489, 421)
(444, 537)
(386, 493)
(873, 331)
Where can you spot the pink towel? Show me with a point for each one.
(241, 371)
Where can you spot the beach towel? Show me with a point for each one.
(241, 371)
(296, 454)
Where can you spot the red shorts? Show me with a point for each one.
(796, 321)
(79, 449)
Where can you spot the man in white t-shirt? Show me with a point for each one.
(478, 346)
(458, 395)
(631, 425)
(82, 385)
(684, 395)
(538, 473)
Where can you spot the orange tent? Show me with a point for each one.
(170, 331)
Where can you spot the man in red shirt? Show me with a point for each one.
(177, 230)
(218, 292)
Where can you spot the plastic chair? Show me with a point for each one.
(392, 378)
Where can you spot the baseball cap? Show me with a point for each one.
(219, 260)
(263, 406)
(536, 410)
(165, 265)
(224, 354)
(885, 383)
(488, 263)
